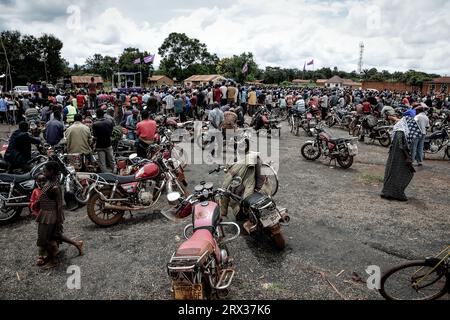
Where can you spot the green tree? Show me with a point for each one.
(182, 57)
(231, 67)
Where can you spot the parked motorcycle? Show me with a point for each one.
(16, 190)
(112, 195)
(15, 193)
(339, 118)
(261, 214)
(201, 268)
(309, 120)
(436, 142)
(443, 122)
(264, 120)
(342, 150)
(376, 131)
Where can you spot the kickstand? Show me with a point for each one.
(335, 163)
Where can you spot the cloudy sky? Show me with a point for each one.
(398, 34)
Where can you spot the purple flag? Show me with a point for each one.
(149, 59)
(311, 62)
(137, 61)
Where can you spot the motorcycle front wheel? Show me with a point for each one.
(9, 214)
(447, 152)
(310, 153)
(97, 213)
(331, 121)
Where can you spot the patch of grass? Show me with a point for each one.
(372, 178)
(275, 287)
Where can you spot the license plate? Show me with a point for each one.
(270, 218)
(188, 292)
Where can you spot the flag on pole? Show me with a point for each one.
(311, 62)
(304, 67)
(149, 59)
(245, 68)
(137, 61)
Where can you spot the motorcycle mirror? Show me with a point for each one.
(236, 182)
(133, 156)
(173, 198)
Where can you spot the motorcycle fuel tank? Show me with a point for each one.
(206, 214)
(149, 171)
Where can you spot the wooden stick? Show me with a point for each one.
(340, 273)
(332, 285)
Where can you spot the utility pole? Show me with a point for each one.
(361, 55)
(8, 67)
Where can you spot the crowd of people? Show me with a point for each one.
(88, 119)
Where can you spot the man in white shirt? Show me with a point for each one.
(169, 100)
(423, 122)
(224, 91)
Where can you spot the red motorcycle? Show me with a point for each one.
(201, 268)
(342, 150)
(110, 196)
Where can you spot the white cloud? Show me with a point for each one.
(397, 35)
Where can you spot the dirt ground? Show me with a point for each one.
(339, 226)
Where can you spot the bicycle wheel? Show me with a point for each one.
(272, 178)
(415, 280)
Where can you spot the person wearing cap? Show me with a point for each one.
(423, 122)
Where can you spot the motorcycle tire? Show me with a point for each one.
(331, 121)
(11, 214)
(95, 199)
(345, 163)
(386, 141)
(291, 124)
(284, 115)
(356, 132)
(278, 238)
(297, 128)
(309, 155)
(447, 152)
(436, 128)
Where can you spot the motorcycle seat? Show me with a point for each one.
(338, 140)
(201, 241)
(15, 178)
(112, 178)
(254, 199)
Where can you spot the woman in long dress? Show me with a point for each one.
(399, 167)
